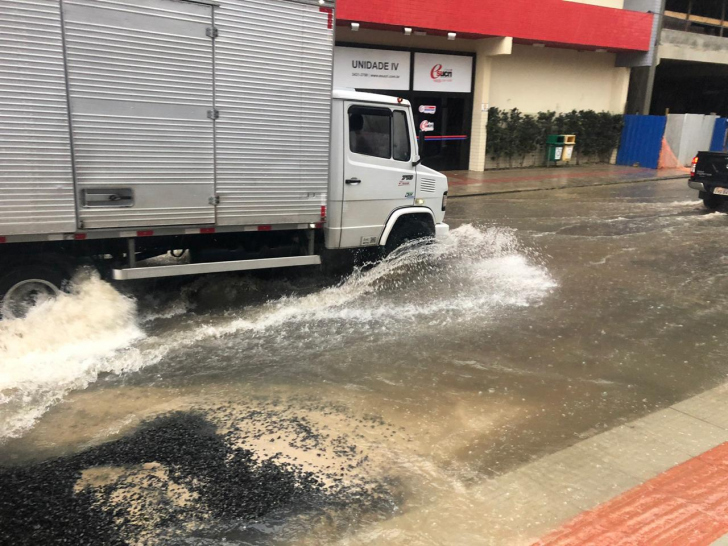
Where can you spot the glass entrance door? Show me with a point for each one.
(447, 145)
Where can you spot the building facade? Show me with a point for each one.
(692, 71)
(456, 58)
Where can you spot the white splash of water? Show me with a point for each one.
(60, 346)
(167, 310)
(473, 273)
(65, 344)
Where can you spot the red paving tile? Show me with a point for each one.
(686, 505)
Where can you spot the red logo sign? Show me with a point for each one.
(439, 74)
(427, 126)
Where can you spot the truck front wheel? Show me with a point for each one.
(407, 231)
(25, 286)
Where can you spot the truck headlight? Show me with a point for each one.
(444, 201)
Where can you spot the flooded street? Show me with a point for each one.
(301, 408)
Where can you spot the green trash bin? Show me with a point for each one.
(560, 148)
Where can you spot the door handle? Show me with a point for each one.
(353, 181)
(107, 198)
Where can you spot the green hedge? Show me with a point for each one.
(513, 135)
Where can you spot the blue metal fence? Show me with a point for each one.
(641, 141)
(717, 143)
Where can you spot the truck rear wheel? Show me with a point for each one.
(713, 202)
(25, 286)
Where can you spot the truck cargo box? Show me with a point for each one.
(146, 113)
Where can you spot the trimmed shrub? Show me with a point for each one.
(512, 135)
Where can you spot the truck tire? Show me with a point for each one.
(713, 202)
(24, 286)
(407, 231)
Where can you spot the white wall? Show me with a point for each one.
(538, 79)
(606, 3)
(688, 134)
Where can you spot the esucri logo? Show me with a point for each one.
(440, 74)
(427, 126)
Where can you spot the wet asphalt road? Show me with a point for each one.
(302, 408)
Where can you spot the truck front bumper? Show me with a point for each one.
(441, 231)
(696, 185)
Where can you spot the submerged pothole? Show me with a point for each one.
(227, 473)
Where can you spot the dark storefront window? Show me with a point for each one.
(447, 147)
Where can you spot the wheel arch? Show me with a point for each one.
(407, 214)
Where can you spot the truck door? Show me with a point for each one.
(378, 173)
(141, 98)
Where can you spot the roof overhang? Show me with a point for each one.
(553, 22)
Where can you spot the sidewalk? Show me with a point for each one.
(661, 480)
(664, 479)
(467, 183)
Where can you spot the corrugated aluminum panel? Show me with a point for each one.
(36, 181)
(641, 141)
(273, 73)
(141, 85)
(718, 140)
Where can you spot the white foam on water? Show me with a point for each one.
(60, 346)
(65, 344)
(682, 204)
(711, 217)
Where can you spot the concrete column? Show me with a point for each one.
(481, 93)
(640, 91)
(478, 133)
(644, 66)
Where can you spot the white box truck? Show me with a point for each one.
(132, 128)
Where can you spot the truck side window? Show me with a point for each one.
(370, 131)
(400, 137)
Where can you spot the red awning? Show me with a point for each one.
(560, 22)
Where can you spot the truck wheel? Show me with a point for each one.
(26, 286)
(409, 231)
(713, 202)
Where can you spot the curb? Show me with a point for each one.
(565, 187)
(656, 480)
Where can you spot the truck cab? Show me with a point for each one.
(378, 186)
